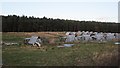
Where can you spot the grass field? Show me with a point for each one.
(82, 54)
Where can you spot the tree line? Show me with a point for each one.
(14, 23)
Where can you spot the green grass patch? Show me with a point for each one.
(79, 55)
(12, 38)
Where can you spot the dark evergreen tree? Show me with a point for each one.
(14, 23)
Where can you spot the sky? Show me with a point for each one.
(90, 10)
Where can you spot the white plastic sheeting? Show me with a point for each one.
(117, 43)
(70, 38)
(110, 36)
(99, 37)
(86, 36)
(79, 37)
(33, 39)
(67, 33)
(79, 32)
(117, 36)
(68, 45)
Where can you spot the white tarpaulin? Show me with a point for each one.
(91, 36)
(33, 39)
(86, 37)
(68, 45)
(79, 37)
(117, 36)
(117, 43)
(99, 37)
(110, 36)
(67, 33)
(70, 38)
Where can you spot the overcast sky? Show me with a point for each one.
(90, 10)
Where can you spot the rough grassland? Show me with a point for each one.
(82, 54)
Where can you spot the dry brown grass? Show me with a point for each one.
(42, 34)
(106, 58)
